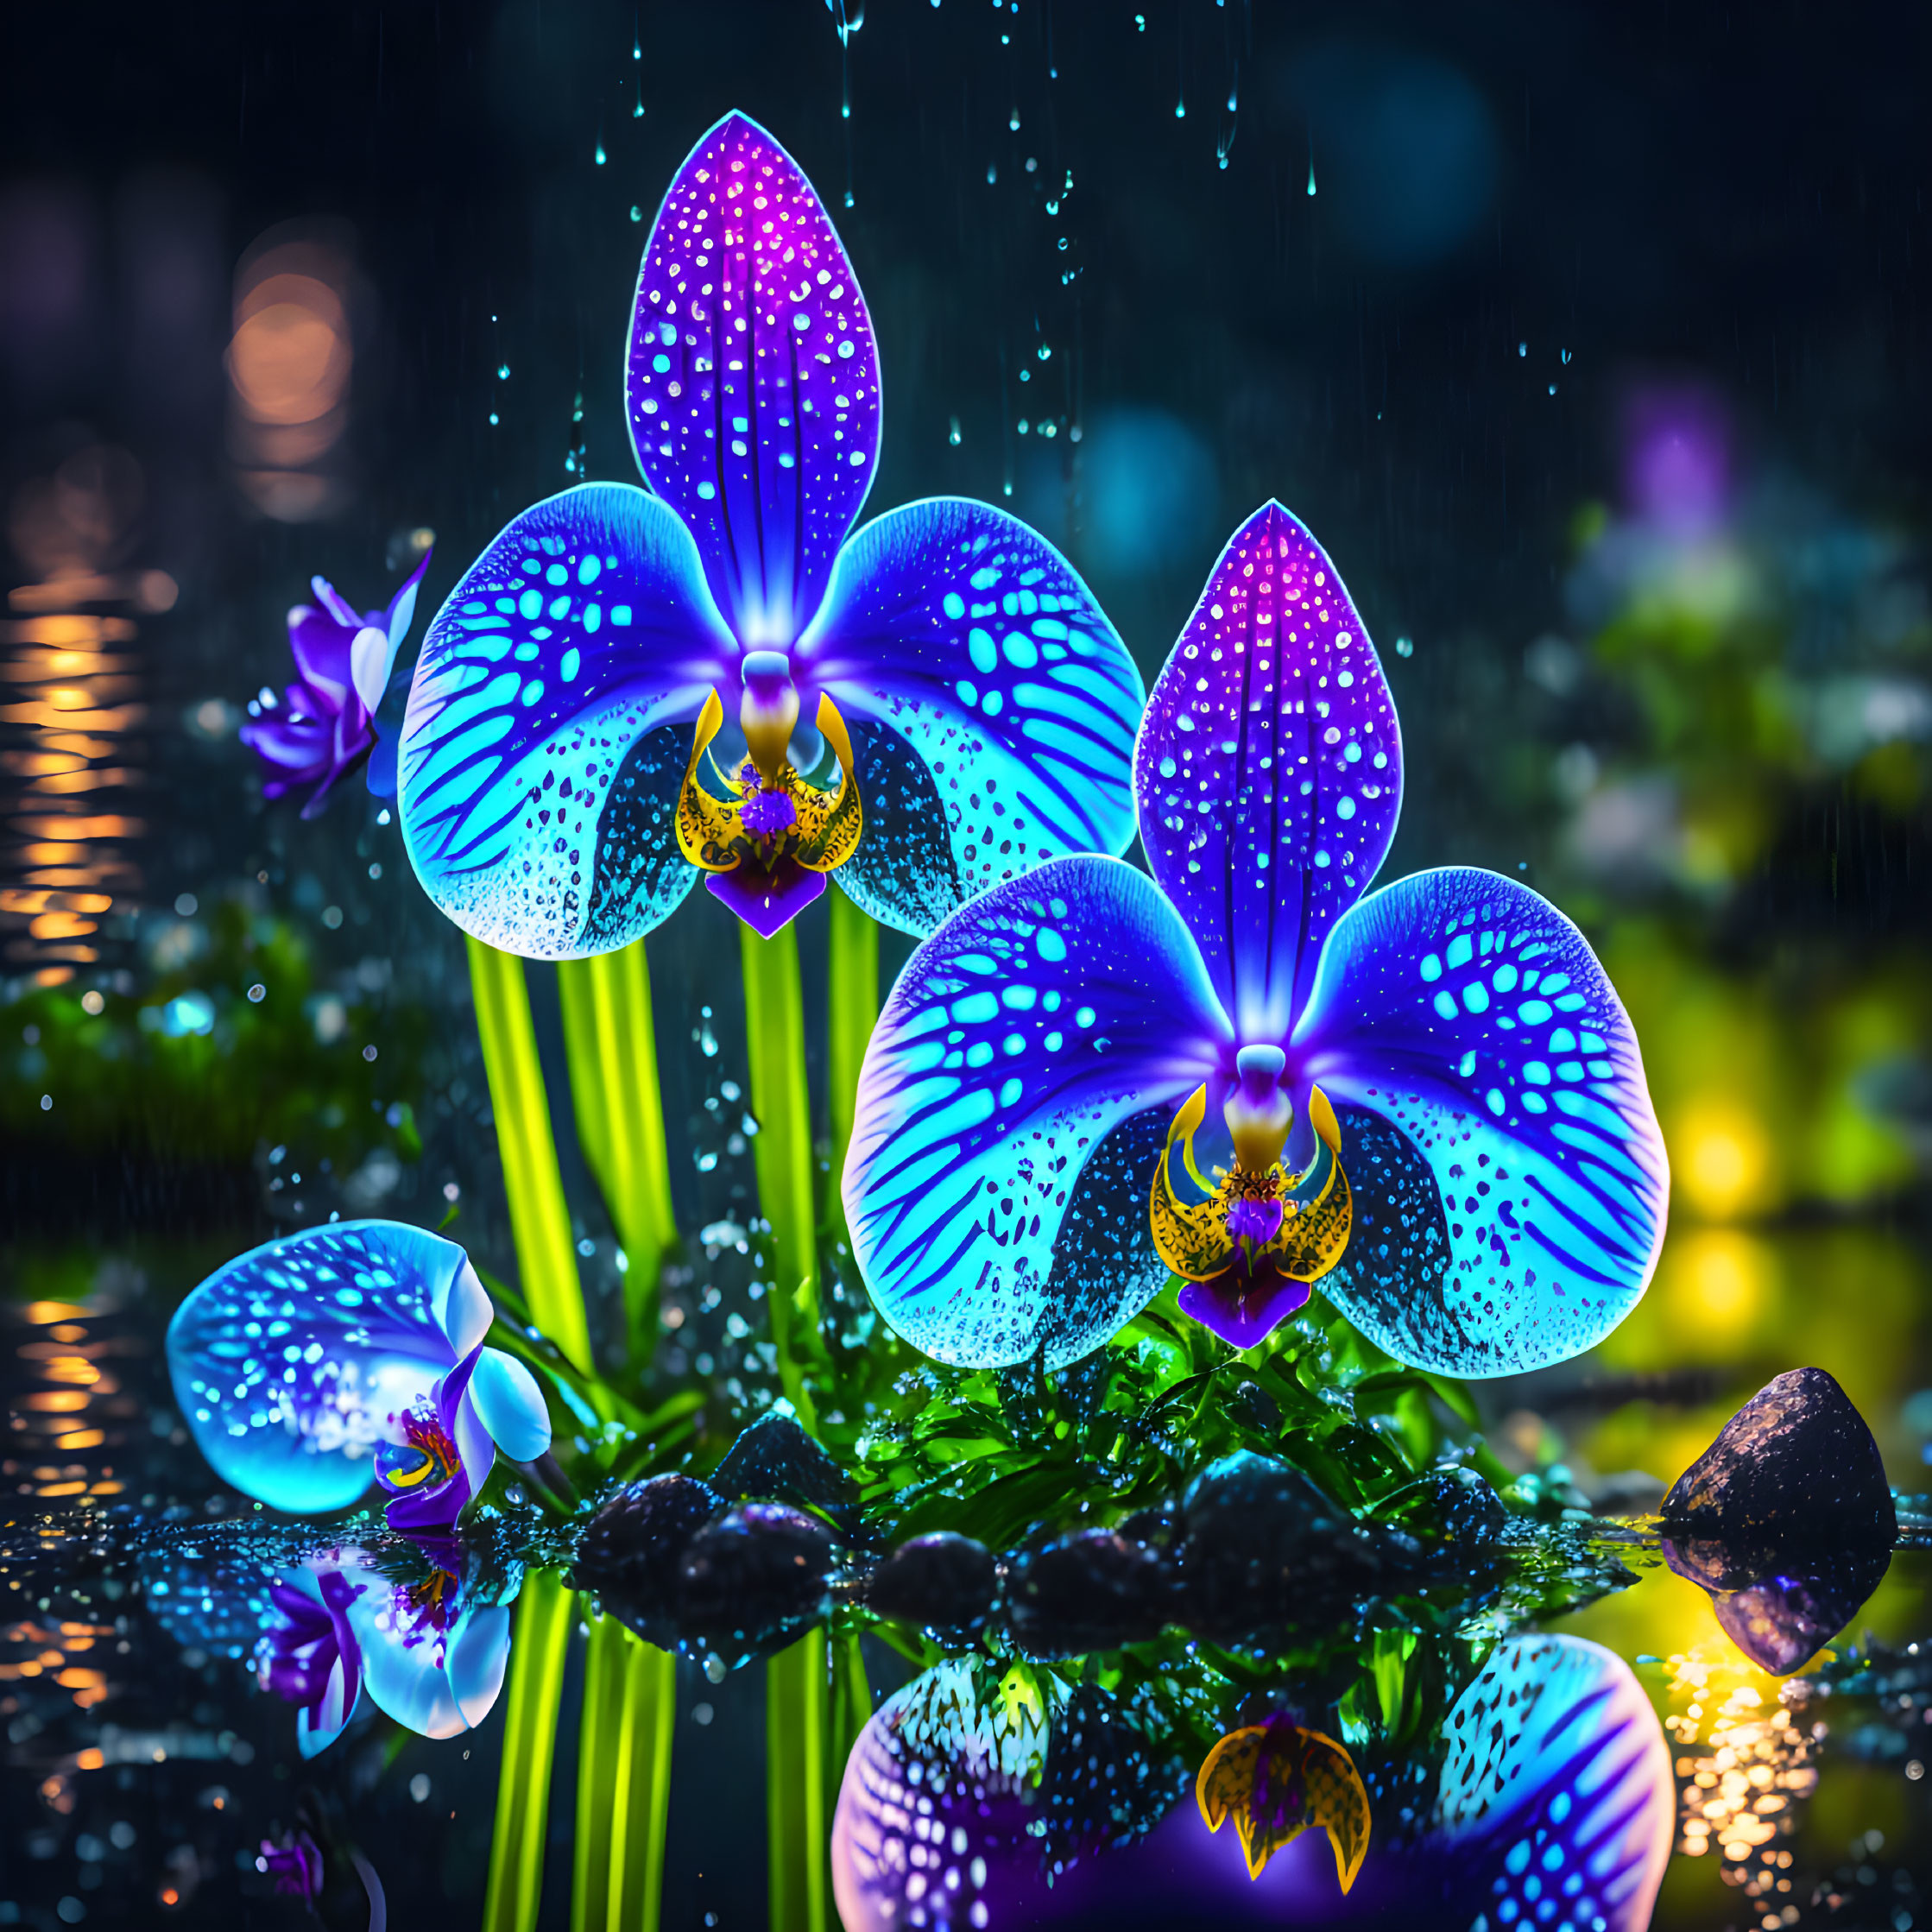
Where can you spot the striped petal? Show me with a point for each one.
(1013, 1105)
(543, 747)
(288, 1361)
(1510, 1180)
(1557, 1787)
(753, 380)
(970, 641)
(1268, 769)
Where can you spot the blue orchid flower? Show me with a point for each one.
(1432, 1099)
(349, 1353)
(978, 705)
(426, 1651)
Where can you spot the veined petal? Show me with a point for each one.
(1268, 771)
(753, 381)
(538, 768)
(401, 612)
(288, 1361)
(1558, 1785)
(1510, 1179)
(974, 643)
(1014, 1101)
(511, 1406)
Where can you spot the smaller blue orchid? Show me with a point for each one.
(558, 795)
(349, 1353)
(427, 1650)
(1430, 1099)
(325, 723)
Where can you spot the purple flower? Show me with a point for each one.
(325, 724)
(296, 1863)
(312, 1656)
(1428, 1100)
(972, 704)
(1677, 448)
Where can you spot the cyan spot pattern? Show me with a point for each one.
(902, 872)
(971, 637)
(1557, 1794)
(1470, 1014)
(1269, 768)
(1019, 1038)
(752, 381)
(287, 1362)
(584, 626)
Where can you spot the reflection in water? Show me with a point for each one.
(1780, 1606)
(1552, 1806)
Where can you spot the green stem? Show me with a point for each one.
(611, 1043)
(540, 1221)
(774, 1038)
(795, 1784)
(850, 1706)
(852, 1011)
(543, 1631)
(623, 1781)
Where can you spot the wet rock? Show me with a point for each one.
(1796, 1465)
(1266, 1552)
(1095, 1590)
(1457, 1511)
(944, 1583)
(1781, 1607)
(752, 1579)
(775, 1458)
(629, 1552)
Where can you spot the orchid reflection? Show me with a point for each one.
(978, 706)
(325, 723)
(1553, 1805)
(1432, 1099)
(349, 1353)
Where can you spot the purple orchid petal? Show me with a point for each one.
(1012, 1108)
(287, 1361)
(1268, 769)
(767, 901)
(320, 647)
(539, 771)
(382, 768)
(335, 605)
(1510, 1181)
(401, 610)
(970, 641)
(1243, 1305)
(752, 382)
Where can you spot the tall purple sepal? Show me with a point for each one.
(1268, 770)
(752, 381)
(973, 640)
(1012, 1108)
(1509, 1177)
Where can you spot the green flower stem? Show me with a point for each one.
(854, 1011)
(774, 1038)
(540, 1221)
(795, 1815)
(611, 1044)
(623, 1781)
(851, 1705)
(544, 1614)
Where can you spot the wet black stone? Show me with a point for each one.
(946, 1583)
(629, 1551)
(775, 1458)
(752, 1579)
(1095, 1590)
(1266, 1552)
(1795, 1466)
(1781, 1606)
(1464, 1511)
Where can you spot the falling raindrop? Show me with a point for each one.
(1311, 167)
(1404, 647)
(502, 372)
(1552, 388)
(952, 434)
(1522, 349)
(1012, 121)
(636, 213)
(1565, 355)
(992, 173)
(601, 156)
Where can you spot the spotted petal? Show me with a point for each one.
(1558, 1785)
(1268, 771)
(287, 1361)
(1013, 1102)
(537, 779)
(1509, 1176)
(1010, 701)
(431, 1659)
(753, 381)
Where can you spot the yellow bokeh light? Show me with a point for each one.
(1720, 1159)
